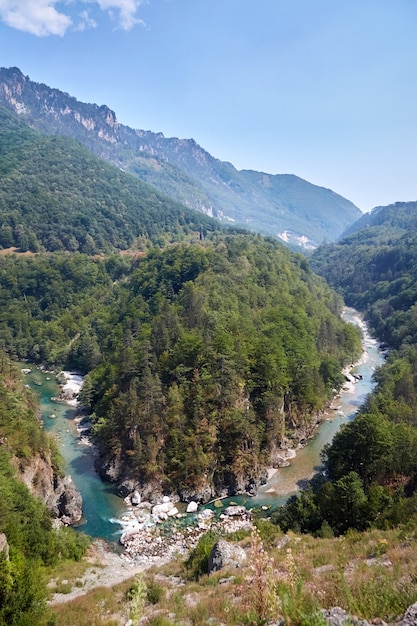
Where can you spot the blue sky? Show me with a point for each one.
(325, 89)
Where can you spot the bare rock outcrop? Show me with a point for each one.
(226, 554)
(56, 491)
(4, 546)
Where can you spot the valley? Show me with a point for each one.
(209, 353)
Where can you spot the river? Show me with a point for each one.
(103, 510)
(101, 506)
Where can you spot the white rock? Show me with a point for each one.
(172, 512)
(135, 498)
(162, 508)
(192, 507)
(166, 499)
(206, 514)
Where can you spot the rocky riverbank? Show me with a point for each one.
(148, 541)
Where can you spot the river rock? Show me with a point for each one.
(225, 554)
(135, 498)
(235, 510)
(207, 514)
(173, 512)
(192, 507)
(165, 507)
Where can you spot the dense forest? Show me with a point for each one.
(202, 360)
(55, 195)
(371, 466)
(213, 357)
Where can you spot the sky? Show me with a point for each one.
(324, 89)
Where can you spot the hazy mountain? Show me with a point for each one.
(374, 268)
(397, 218)
(282, 205)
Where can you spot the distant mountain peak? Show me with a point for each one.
(182, 169)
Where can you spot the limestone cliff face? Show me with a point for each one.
(57, 492)
(281, 205)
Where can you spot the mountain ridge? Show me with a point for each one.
(282, 205)
(56, 195)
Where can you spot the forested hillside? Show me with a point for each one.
(215, 356)
(371, 466)
(54, 195)
(202, 360)
(279, 205)
(28, 542)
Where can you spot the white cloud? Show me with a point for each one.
(38, 17)
(44, 17)
(85, 21)
(127, 10)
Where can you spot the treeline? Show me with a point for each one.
(371, 466)
(55, 195)
(28, 542)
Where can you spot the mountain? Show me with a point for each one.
(371, 464)
(281, 205)
(375, 269)
(393, 219)
(56, 195)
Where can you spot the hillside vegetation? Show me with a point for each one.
(55, 195)
(202, 360)
(183, 170)
(213, 357)
(286, 579)
(371, 466)
(28, 542)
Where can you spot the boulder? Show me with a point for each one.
(234, 510)
(410, 616)
(165, 507)
(192, 507)
(339, 617)
(70, 503)
(225, 554)
(135, 498)
(207, 514)
(173, 512)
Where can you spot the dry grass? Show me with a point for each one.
(371, 575)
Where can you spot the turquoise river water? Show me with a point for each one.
(103, 509)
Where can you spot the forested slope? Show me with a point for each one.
(202, 360)
(215, 356)
(55, 195)
(182, 169)
(371, 466)
(28, 542)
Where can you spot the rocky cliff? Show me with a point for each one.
(285, 206)
(57, 491)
